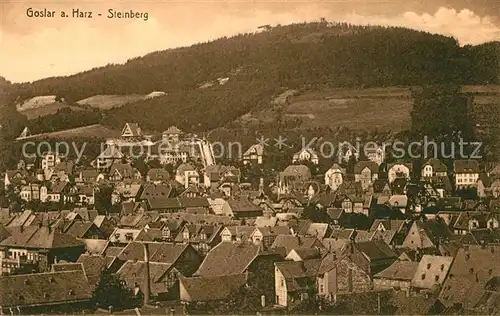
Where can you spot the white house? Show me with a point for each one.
(434, 167)
(399, 170)
(254, 154)
(375, 154)
(306, 154)
(50, 160)
(187, 175)
(334, 177)
(466, 173)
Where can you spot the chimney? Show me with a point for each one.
(146, 289)
(349, 280)
(263, 300)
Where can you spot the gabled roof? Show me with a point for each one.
(111, 152)
(257, 149)
(431, 271)
(472, 268)
(361, 165)
(158, 174)
(466, 166)
(172, 130)
(134, 272)
(399, 270)
(290, 242)
(151, 190)
(40, 237)
(44, 289)
(228, 258)
(158, 251)
(210, 288)
(436, 164)
(133, 128)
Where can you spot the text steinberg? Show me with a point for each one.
(113, 14)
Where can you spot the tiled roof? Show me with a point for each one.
(466, 166)
(158, 174)
(399, 270)
(158, 251)
(228, 258)
(73, 266)
(211, 288)
(472, 267)
(134, 272)
(361, 165)
(431, 271)
(436, 164)
(44, 288)
(290, 242)
(40, 237)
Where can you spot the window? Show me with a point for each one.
(442, 267)
(428, 266)
(471, 270)
(436, 278)
(423, 276)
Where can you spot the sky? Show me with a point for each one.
(32, 48)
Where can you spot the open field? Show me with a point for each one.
(96, 130)
(48, 109)
(106, 102)
(380, 108)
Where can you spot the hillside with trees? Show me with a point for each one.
(262, 65)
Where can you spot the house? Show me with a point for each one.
(241, 208)
(231, 258)
(57, 192)
(38, 245)
(14, 177)
(302, 254)
(50, 160)
(90, 176)
(291, 175)
(397, 276)
(215, 175)
(172, 135)
(289, 242)
(295, 280)
(375, 153)
(202, 237)
(426, 234)
(434, 168)
(343, 274)
(163, 278)
(306, 155)
(346, 151)
(254, 154)
(470, 220)
(431, 272)
(366, 172)
(156, 191)
(123, 171)
(131, 131)
(353, 204)
(466, 173)
(183, 257)
(32, 192)
(210, 288)
(241, 233)
(473, 273)
(334, 177)
(483, 186)
(187, 175)
(106, 158)
(399, 170)
(157, 175)
(266, 236)
(51, 292)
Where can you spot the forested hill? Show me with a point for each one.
(261, 65)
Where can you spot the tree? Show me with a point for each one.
(316, 214)
(102, 198)
(111, 291)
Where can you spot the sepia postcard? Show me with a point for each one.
(250, 157)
